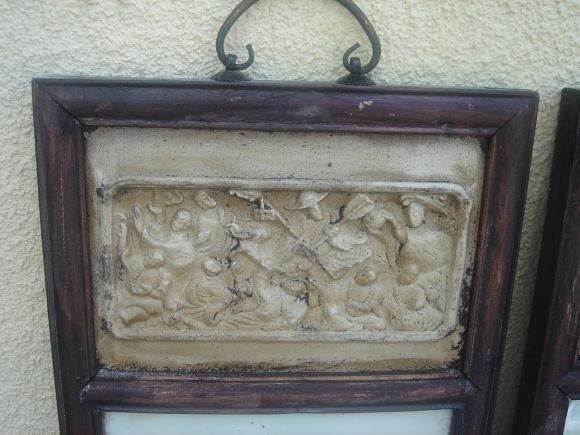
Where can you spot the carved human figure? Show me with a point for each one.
(250, 241)
(147, 280)
(212, 234)
(428, 248)
(343, 248)
(418, 302)
(209, 298)
(378, 219)
(177, 249)
(344, 245)
(259, 301)
(412, 312)
(309, 202)
(365, 299)
(162, 199)
(254, 237)
(389, 229)
(176, 244)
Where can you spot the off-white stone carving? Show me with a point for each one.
(194, 263)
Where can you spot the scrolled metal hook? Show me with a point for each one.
(230, 60)
(352, 64)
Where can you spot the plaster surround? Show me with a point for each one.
(220, 250)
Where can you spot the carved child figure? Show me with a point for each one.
(417, 304)
(177, 249)
(209, 298)
(411, 311)
(364, 300)
(388, 229)
(146, 278)
(212, 236)
(161, 200)
(345, 245)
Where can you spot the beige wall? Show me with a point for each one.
(531, 44)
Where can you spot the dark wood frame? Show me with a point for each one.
(65, 109)
(552, 372)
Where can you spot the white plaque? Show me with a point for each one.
(386, 423)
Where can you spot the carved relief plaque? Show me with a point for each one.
(194, 264)
(366, 257)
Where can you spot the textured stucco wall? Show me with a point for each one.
(517, 43)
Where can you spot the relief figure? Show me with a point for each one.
(309, 203)
(212, 234)
(365, 300)
(145, 275)
(418, 302)
(208, 297)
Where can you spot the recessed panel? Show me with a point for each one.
(222, 250)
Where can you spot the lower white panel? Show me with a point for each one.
(573, 419)
(386, 423)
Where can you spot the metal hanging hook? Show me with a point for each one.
(229, 60)
(352, 64)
